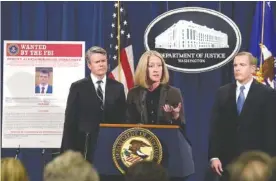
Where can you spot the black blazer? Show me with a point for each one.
(254, 129)
(83, 114)
(137, 109)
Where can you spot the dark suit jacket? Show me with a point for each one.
(49, 90)
(274, 83)
(137, 109)
(254, 129)
(83, 114)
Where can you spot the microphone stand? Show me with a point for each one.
(170, 121)
(86, 145)
(17, 152)
(43, 159)
(142, 113)
(143, 100)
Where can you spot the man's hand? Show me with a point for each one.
(216, 166)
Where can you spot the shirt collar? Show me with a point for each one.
(46, 85)
(247, 85)
(95, 79)
(270, 82)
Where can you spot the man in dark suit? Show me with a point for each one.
(243, 117)
(43, 87)
(93, 100)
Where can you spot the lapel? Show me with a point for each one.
(108, 92)
(232, 98)
(90, 88)
(143, 105)
(162, 101)
(249, 97)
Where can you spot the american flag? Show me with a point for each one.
(263, 45)
(121, 51)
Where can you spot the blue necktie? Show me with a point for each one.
(241, 99)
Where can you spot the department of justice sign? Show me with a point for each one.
(193, 39)
(134, 145)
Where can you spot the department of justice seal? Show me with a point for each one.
(194, 39)
(134, 145)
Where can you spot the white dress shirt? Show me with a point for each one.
(245, 92)
(271, 83)
(103, 84)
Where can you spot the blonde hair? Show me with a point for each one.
(92, 50)
(272, 169)
(70, 166)
(141, 74)
(250, 166)
(13, 170)
(252, 59)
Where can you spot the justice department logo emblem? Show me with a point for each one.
(193, 39)
(134, 145)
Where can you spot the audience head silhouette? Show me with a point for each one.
(250, 166)
(272, 170)
(70, 166)
(13, 170)
(146, 171)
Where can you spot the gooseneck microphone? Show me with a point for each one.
(143, 107)
(86, 145)
(17, 152)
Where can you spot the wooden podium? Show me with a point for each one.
(177, 152)
(149, 126)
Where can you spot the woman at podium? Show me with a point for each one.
(152, 100)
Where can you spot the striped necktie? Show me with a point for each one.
(100, 93)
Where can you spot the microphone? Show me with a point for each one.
(42, 154)
(43, 151)
(17, 152)
(86, 145)
(143, 100)
(170, 120)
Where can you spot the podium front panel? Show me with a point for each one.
(177, 153)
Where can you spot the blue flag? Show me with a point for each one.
(263, 43)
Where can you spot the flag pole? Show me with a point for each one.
(262, 36)
(118, 41)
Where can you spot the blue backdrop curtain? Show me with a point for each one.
(91, 22)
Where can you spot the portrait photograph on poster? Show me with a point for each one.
(43, 80)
